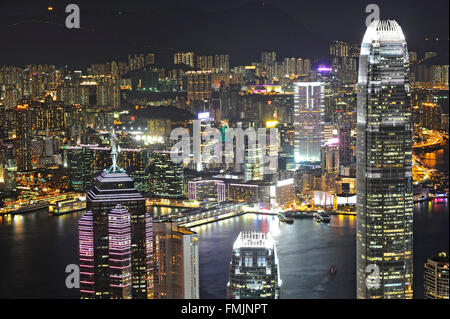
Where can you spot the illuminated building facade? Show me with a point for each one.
(221, 63)
(186, 58)
(176, 262)
(119, 249)
(384, 164)
(285, 191)
(23, 138)
(199, 85)
(115, 240)
(437, 277)
(80, 161)
(330, 156)
(206, 189)
(254, 268)
(431, 116)
(308, 121)
(243, 193)
(168, 176)
(253, 165)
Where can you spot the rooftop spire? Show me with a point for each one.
(114, 154)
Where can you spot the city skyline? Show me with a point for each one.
(121, 30)
(184, 157)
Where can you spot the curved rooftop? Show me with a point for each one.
(383, 30)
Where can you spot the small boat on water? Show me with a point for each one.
(298, 214)
(29, 207)
(286, 220)
(326, 218)
(322, 218)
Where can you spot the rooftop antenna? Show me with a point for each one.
(114, 154)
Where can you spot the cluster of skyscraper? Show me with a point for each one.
(343, 134)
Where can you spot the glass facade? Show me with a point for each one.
(168, 178)
(309, 113)
(384, 165)
(106, 253)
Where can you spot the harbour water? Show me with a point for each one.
(36, 248)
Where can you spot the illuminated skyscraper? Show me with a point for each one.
(209, 189)
(384, 165)
(254, 268)
(168, 177)
(115, 240)
(23, 138)
(176, 261)
(308, 121)
(437, 277)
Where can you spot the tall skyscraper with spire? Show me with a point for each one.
(115, 239)
(384, 165)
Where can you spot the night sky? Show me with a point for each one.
(111, 29)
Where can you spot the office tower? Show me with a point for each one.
(254, 268)
(115, 239)
(23, 138)
(119, 251)
(176, 262)
(384, 165)
(168, 176)
(436, 281)
(240, 193)
(80, 162)
(345, 143)
(211, 189)
(330, 156)
(308, 121)
(253, 162)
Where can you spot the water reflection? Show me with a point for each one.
(37, 247)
